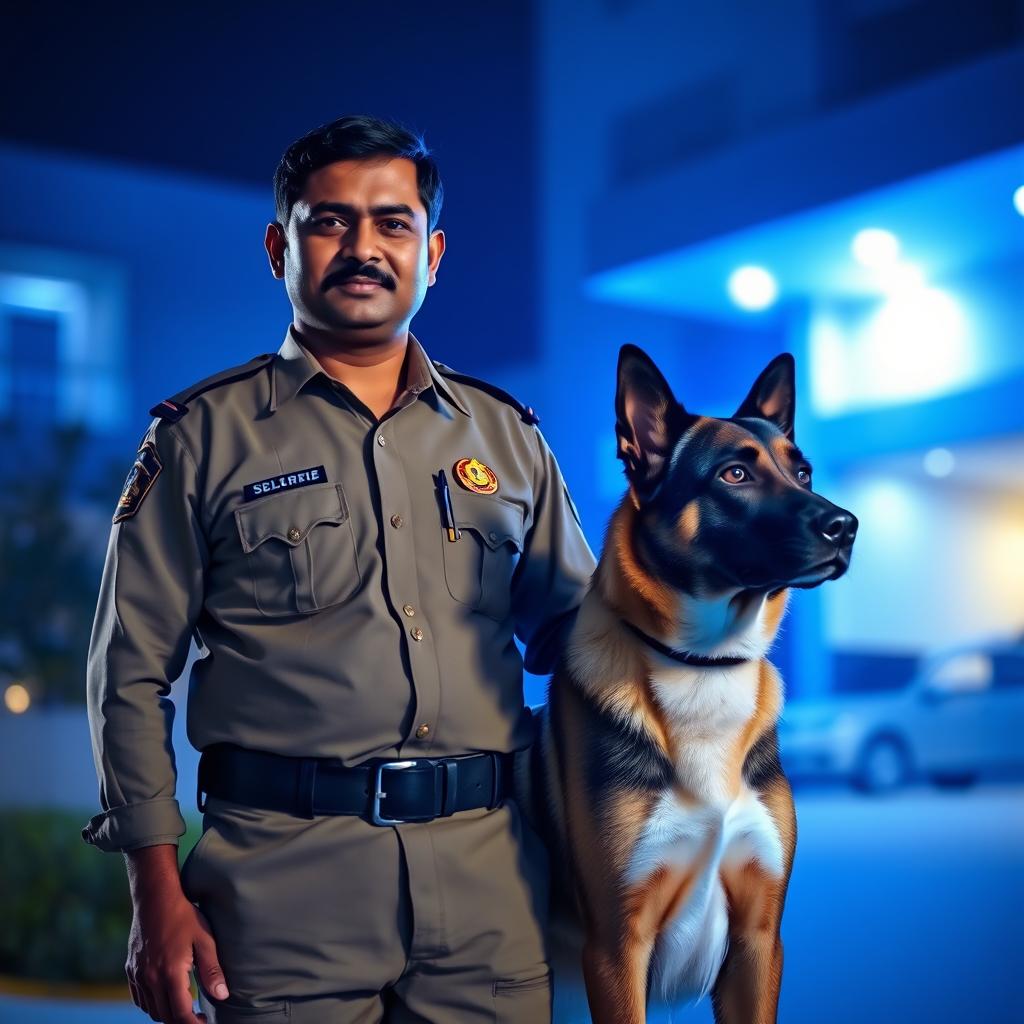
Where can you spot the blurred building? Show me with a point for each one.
(714, 181)
(685, 144)
(610, 166)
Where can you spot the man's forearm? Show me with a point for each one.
(152, 867)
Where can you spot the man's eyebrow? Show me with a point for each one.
(376, 211)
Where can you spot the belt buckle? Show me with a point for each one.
(379, 794)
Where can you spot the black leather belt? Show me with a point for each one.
(382, 792)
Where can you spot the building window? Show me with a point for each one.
(33, 347)
(61, 346)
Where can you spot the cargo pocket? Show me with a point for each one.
(276, 1013)
(522, 1000)
(301, 549)
(478, 567)
(227, 1011)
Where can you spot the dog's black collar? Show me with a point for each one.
(700, 660)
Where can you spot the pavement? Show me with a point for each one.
(901, 908)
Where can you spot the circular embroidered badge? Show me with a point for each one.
(475, 476)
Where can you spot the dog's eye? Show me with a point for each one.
(734, 474)
(803, 475)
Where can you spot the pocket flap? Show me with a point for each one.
(494, 519)
(290, 516)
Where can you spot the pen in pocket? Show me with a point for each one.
(454, 533)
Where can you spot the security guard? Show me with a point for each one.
(353, 533)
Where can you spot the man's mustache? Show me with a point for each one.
(371, 273)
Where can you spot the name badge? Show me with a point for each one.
(284, 482)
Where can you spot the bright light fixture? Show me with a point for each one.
(901, 277)
(752, 288)
(876, 248)
(16, 698)
(1018, 200)
(914, 345)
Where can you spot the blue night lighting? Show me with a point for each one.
(876, 248)
(752, 288)
(946, 222)
(939, 462)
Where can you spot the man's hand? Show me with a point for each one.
(166, 931)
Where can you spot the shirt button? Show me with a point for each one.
(396, 520)
(381, 440)
(417, 633)
(492, 535)
(408, 609)
(294, 533)
(423, 731)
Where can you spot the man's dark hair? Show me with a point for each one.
(355, 137)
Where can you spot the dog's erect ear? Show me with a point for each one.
(648, 420)
(773, 396)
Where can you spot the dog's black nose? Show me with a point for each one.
(839, 527)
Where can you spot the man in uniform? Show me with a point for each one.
(352, 533)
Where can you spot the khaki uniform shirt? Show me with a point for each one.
(302, 542)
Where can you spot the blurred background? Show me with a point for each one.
(716, 182)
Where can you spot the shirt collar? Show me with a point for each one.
(295, 367)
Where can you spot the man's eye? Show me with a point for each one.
(399, 223)
(734, 474)
(327, 220)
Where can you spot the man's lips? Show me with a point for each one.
(355, 285)
(359, 286)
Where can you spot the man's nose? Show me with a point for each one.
(359, 241)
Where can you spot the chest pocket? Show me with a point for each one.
(478, 567)
(300, 548)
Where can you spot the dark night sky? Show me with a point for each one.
(220, 89)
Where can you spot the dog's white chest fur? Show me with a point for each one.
(706, 710)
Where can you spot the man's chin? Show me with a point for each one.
(347, 318)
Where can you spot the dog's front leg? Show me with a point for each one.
(620, 942)
(616, 980)
(747, 988)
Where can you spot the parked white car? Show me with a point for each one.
(961, 717)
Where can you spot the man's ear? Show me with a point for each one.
(435, 250)
(648, 421)
(275, 244)
(773, 396)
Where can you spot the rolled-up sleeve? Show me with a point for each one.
(149, 601)
(555, 569)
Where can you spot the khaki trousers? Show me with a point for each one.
(333, 920)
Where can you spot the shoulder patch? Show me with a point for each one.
(526, 412)
(140, 480)
(172, 409)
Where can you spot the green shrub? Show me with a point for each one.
(66, 906)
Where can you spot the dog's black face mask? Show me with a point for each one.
(725, 503)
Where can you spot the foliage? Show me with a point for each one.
(67, 910)
(55, 565)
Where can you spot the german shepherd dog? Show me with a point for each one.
(662, 793)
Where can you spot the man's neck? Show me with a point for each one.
(372, 371)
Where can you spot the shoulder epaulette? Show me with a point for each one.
(172, 409)
(526, 412)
